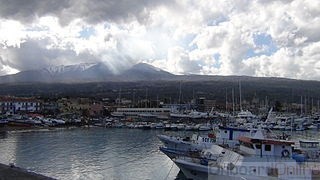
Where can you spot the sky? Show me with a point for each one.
(265, 38)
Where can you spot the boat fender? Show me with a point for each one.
(211, 135)
(285, 153)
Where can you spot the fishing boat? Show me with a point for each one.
(259, 156)
(225, 136)
(177, 146)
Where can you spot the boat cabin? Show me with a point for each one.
(261, 146)
(311, 149)
(228, 136)
(309, 145)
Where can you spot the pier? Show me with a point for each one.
(11, 172)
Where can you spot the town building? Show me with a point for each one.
(16, 105)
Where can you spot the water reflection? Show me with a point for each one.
(90, 154)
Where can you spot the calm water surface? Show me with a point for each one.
(93, 153)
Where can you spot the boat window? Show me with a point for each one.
(258, 146)
(309, 144)
(267, 147)
(225, 131)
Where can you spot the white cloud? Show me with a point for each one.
(204, 37)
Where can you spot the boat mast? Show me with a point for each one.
(180, 93)
(119, 102)
(240, 95)
(305, 105)
(301, 106)
(180, 108)
(146, 104)
(233, 101)
(226, 100)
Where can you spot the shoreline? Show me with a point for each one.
(13, 129)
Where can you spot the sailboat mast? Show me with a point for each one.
(226, 100)
(180, 93)
(301, 106)
(233, 101)
(240, 96)
(119, 102)
(146, 104)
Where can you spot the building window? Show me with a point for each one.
(267, 147)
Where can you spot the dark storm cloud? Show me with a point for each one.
(92, 11)
(32, 54)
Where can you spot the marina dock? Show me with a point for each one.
(11, 172)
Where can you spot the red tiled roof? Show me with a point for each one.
(265, 141)
(17, 99)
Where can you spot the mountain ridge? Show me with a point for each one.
(99, 72)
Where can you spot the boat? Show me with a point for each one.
(173, 127)
(197, 115)
(225, 136)
(300, 128)
(204, 127)
(189, 128)
(181, 126)
(259, 156)
(3, 122)
(178, 146)
(313, 127)
(167, 127)
(179, 115)
(160, 126)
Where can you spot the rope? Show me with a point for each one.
(169, 171)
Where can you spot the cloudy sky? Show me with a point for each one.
(279, 38)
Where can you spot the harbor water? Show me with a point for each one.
(90, 153)
(95, 153)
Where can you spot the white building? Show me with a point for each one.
(141, 111)
(13, 105)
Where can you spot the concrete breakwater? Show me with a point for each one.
(8, 172)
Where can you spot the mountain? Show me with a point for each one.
(146, 72)
(87, 72)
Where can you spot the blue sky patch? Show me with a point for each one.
(217, 63)
(87, 32)
(262, 41)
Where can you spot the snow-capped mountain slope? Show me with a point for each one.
(87, 72)
(54, 70)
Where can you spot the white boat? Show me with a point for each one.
(181, 126)
(177, 145)
(160, 126)
(258, 157)
(204, 127)
(179, 115)
(197, 115)
(174, 127)
(313, 127)
(225, 136)
(189, 128)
